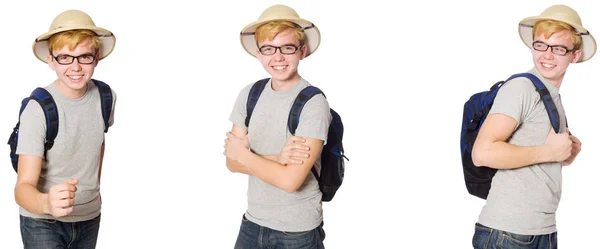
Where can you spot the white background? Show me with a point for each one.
(397, 74)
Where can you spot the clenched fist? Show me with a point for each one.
(61, 198)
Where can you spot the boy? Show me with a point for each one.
(284, 200)
(517, 138)
(58, 190)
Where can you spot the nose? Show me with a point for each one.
(75, 66)
(278, 56)
(548, 54)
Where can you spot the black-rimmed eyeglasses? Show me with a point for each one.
(285, 49)
(555, 49)
(65, 59)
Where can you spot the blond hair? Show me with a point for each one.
(72, 38)
(272, 29)
(550, 27)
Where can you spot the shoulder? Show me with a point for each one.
(520, 85)
(318, 103)
(318, 98)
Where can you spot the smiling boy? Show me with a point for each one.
(284, 201)
(517, 138)
(58, 190)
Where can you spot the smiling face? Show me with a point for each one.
(73, 77)
(283, 68)
(553, 50)
(281, 47)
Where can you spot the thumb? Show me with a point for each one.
(230, 135)
(72, 181)
(568, 132)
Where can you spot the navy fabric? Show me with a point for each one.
(478, 179)
(44, 98)
(332, 155)
(106, 101)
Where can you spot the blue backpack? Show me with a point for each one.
(476, 109)
(332, 156)
(43, 97)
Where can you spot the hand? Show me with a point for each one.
(235, 146)
(559, 146)
(575, 149)
(294, 151)
(61, 198)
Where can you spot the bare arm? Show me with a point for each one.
(233, 165)
(289, 177)
(26, 192)
(57, 202)
(293, 152)
(492, 150)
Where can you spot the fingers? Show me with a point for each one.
(229, 135)
(63, 195)
(301, 147)
(575, 140)
(72, 181)
(294, 147)
(297, 139)
(64, 203)
(62, 212)
(65, 187)
(297, 153)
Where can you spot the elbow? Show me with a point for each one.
(290, 187)
(230, 166)
(20, 192)
(290, 190)
(478, 155)
(231, 169)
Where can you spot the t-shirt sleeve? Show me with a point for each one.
(315, 119)
(32, 130)
(515, 99)
(238, 114)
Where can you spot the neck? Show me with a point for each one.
(282, 85)
(70, 93)
(556, 82)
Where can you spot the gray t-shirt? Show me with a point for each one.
(525, 200)
(268, 205)
(76, 150)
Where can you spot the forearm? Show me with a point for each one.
(237, 167)
(32, 200)
(270, 171)
(502, 155)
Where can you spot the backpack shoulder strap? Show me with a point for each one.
(106, 101)
(44, 98)
(294, 117)
(253, 96)
(304, 96)
(545, 97)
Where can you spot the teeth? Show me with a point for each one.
(75, 77)
(279, 68)
(547, 65)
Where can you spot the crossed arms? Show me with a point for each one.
(287, 171)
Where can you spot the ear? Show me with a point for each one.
(303, 51)
(50, 61)
(97, 59)
(576, 56)
(258, 54)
